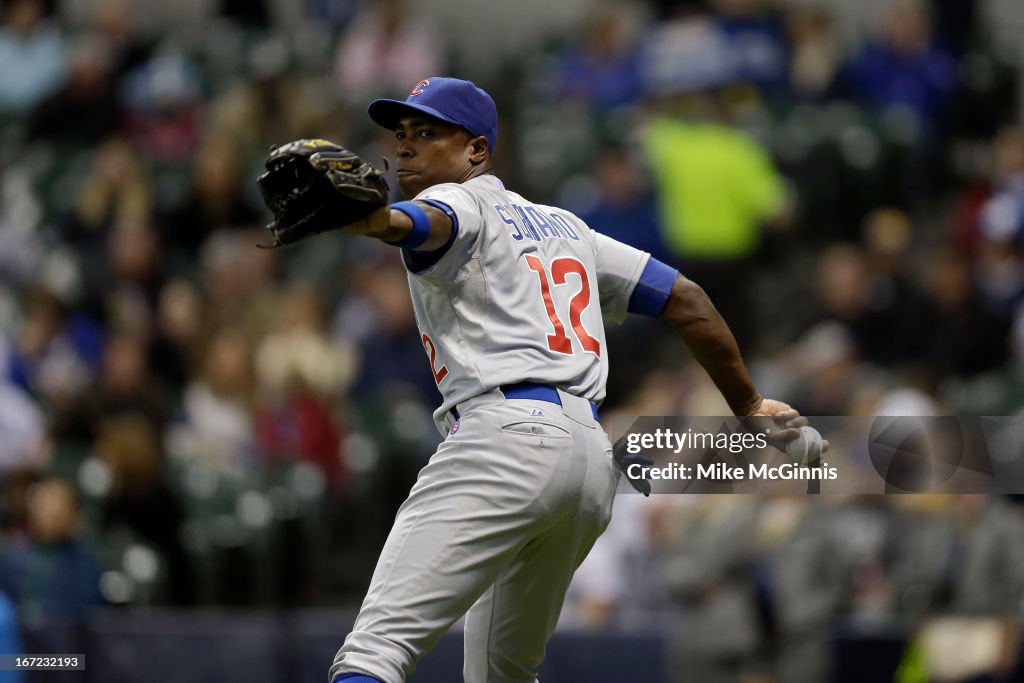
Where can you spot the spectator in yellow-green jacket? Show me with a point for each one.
(717, 189)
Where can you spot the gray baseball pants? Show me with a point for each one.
(494, 527)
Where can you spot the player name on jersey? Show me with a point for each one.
(530, 223)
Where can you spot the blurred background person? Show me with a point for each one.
(22, 429)
(817, 55)
(716, 191)
(803, 584)
(967, 336)
(214, 200)
(116, 189)
(709, 554)
(603, 69)
(32, 49)
(125, 386)
(52, 571)
(903, 66)
(386, 48)
(9, 640)
(84, 109)
(623, 206)
(215, 423)
(300, 371)
(140, 502)
(58, 351)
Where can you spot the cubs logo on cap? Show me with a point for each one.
(448, 99)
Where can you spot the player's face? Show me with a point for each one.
(431, 151)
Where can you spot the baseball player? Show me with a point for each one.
(509, 297)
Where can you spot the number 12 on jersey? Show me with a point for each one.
(560, 269)
(439, 372)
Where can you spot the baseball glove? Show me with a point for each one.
(313, 186)
(623, 459)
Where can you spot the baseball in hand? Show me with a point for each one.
(806, 447)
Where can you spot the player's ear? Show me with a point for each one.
(478, 148)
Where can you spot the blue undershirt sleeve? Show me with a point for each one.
(652, 289)
(417, 261)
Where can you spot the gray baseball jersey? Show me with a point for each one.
(513, 500)
(519, 295)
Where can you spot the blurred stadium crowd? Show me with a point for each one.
(186, 419)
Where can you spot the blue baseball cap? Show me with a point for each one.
(449, 99)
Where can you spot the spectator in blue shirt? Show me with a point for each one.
(51, 571)
(32, 54)
(757, 41)
(905, 66)
(603, 70)
(624, 207)
(9, 641)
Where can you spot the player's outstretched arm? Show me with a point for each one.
(702, 328)
(399, 225)
(705, 332)
(312, 186)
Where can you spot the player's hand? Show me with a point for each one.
(785, 422)
(624, 460)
